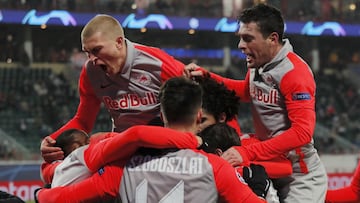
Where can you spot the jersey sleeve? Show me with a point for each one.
(124, 144)
(103, 185)
(277, 167)
(349, 194)
(231, 187)
(47, 171)
(241, 87)
(274, 147)
(87, 110)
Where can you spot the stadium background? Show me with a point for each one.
(40, 63)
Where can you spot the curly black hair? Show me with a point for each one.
(218, 99)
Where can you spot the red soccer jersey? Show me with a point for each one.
(130, 96)
(105, 183)
(349, 194)
(115, 146)
(278, 167)
(283, 108)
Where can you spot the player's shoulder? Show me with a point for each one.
(213, 159)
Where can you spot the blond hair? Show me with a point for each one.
(105, 24)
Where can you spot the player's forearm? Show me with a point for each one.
(241, 87)
(47, 171)
(124, 144)
(343, 195)
(349, 194)
(276, 169)
(299, 134)
(68, 194)
(160, 137)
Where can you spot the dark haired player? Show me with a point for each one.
(168, 175)
(281, 90)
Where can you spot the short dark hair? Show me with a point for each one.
(268, 19)
(218, 99)
(180, 98)
(219, 135)
(67, 138)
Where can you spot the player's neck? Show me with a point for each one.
(183, 128)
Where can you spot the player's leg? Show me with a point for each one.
(304, 188)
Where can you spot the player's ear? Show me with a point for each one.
(222, 117)
(199, 116)
(274, 37)
(218, 151)
(119, 42)
(163, 119)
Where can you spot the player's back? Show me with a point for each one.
(174, 177)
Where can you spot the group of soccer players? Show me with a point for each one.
(141, 85)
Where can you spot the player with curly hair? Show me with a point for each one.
(219, 104)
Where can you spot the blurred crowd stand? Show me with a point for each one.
(36, 101)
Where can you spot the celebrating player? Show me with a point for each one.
(282, 103)
(123, 75)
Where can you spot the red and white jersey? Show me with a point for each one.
(349, 194)
(72, 169)
(282, 97)
(131, 97)
(178, 176)
(84, 161)
(278, 167)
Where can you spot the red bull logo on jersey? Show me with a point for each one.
(127, 101)
(144, 79)
(269, 98)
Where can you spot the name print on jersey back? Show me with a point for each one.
(175, 164)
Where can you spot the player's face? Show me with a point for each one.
(254, 45)
(105, 52)
(206, 120)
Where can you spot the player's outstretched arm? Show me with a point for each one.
(85, 191)
(103, 185)
(124, 144)
(84, 119)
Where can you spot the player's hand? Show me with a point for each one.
(49, 152)
(192, 70)
(257, 179)
(232, 156)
